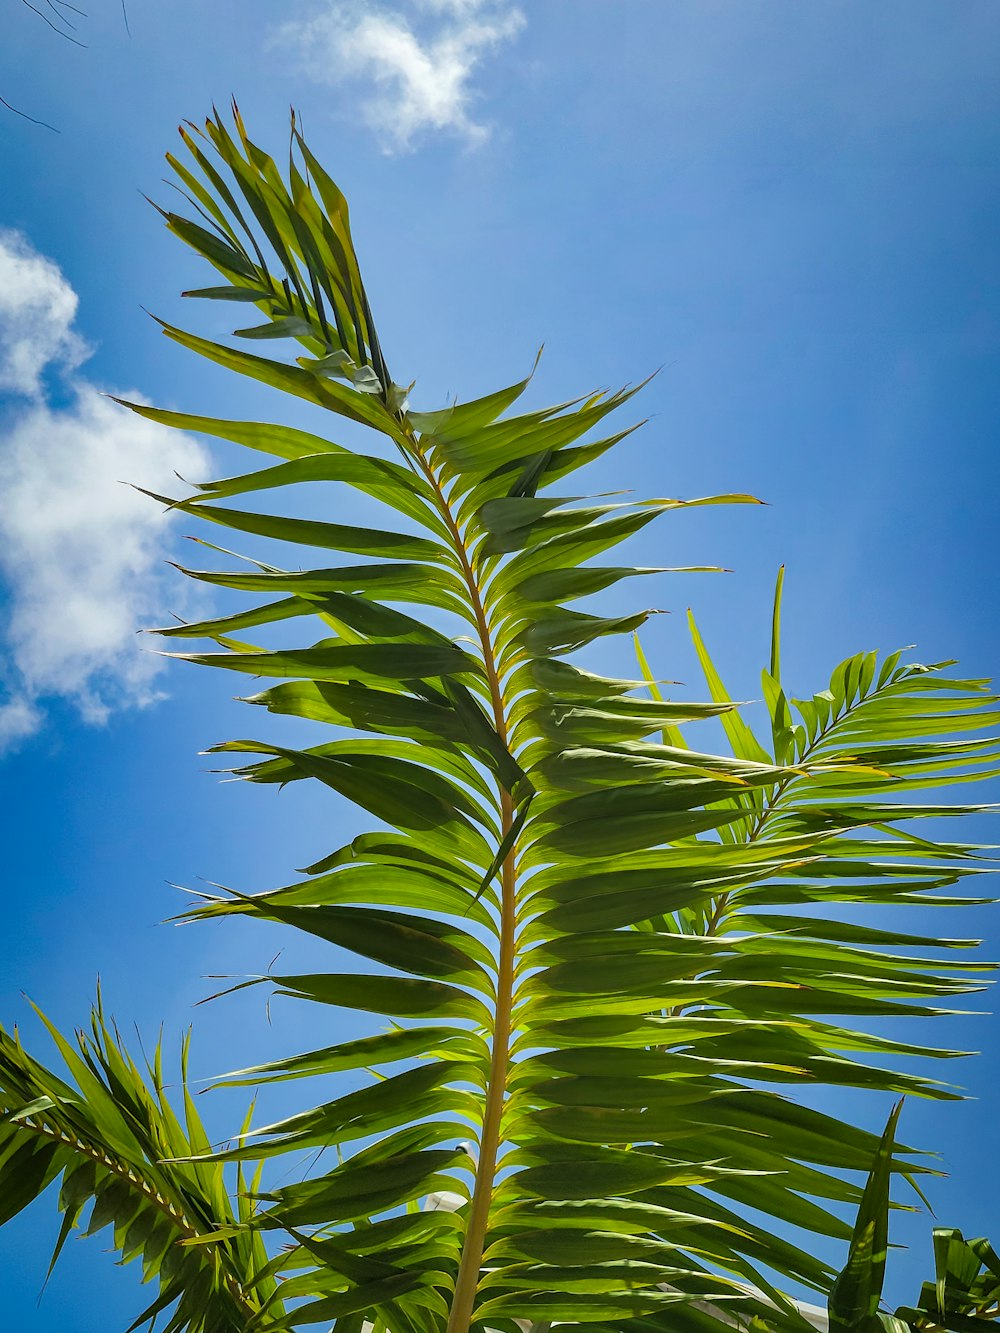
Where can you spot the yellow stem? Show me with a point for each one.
(467, 1281)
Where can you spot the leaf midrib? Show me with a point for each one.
(473, 1245)
(150, 1194)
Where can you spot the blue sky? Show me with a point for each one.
(789, 205)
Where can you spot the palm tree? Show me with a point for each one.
(604, 948)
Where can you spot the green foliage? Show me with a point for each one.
(965, 1294)
(604, 948)
(112, 1138)
(963, 1298)
(855, 1296)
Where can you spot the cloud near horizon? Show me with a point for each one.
(421, 60)
(80, 553)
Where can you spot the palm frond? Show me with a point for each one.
(107, 1132)
(587, 911)
(596, 939)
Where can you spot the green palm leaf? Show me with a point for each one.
(104, 1135)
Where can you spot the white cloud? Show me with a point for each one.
(80, 553)
(37, 309)
(18, 718)
(422, 66)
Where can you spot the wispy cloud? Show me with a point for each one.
(421, 60)
(80, 553)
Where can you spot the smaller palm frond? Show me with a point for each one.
(840, 825)
(108, 1133)
(965, 1294)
